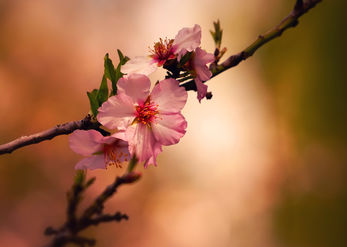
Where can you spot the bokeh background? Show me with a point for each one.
(262, 164)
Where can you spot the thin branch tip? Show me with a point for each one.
(300, 8)
(60, 129)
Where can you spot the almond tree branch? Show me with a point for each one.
(93, 215)
(300, 8)
(61, 129)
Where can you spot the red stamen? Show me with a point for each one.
(163, 51)
(113, 156)
(146, 113)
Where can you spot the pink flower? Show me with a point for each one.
(147, 121)
(186, 40)
(101, 151)
(202, 73)
(163, 51)
(140, 65)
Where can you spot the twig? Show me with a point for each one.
(93, 215)
(98, 205)
(291, 20)
(105, 218)
(60, 129)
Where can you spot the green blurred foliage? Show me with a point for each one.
(315, 53)
(314, 105)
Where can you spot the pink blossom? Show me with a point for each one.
(200, 59)
(163, 51)
(140, 65)
(100, 151)
(147, 121)
(186, 40)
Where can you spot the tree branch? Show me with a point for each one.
(61, 129)
(92, 215)
(291, 20)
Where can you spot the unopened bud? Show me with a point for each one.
(209, 95)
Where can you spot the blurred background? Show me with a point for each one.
(262, 164)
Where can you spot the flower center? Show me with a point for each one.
(162, 51)
(146, 112)
(113, 156)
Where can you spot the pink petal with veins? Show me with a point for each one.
(170, 97)
(169, 129)
(92, 163)
(201, 88)
(139, 65)
(142, 142)
(200, 60)
(85, 142)
(186, 40)
(136, 86)
(117, 112)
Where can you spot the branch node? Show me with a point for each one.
(299, 5)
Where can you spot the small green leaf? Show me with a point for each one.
(114, 74)
(185, 58)
(103, 91)
(217, 34)
(132, 163)
(122, 59)
(93, 100)
(80, 177)
(120, 55)
(109, 71)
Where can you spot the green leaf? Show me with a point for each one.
(120, 55)
(103, 91)
(185, 58)
(114, 74)
(122, 59)
(80, 177)
(109, 71)
(93, 100)
(217, 34)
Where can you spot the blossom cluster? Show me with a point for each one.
(142, 121)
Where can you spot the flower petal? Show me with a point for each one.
(139, 65)
(169, 96)
(142, 143)
(108, 140)
(136, 86)
(187, 39)
(153, 159)
(201, 88)
(117, 112)
(122, 148)
(200, 60)
(92, 163)
(85, 142)
(120, 135)
(169, 129)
